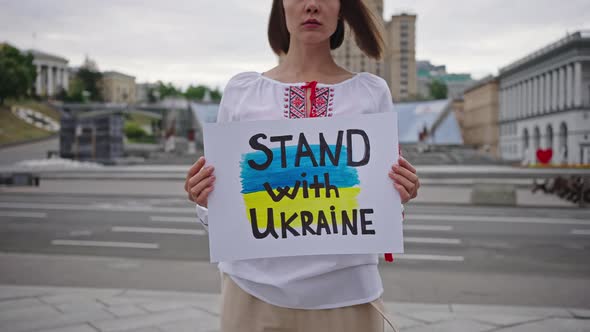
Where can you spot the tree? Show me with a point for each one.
(438, 89)
(167, 90)
(199, 92)
(216, 94)
(196, 92)
(89, 80)
(75, 91)
(17, 72)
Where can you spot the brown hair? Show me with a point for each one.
(354, 12)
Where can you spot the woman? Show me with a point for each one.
(309, 293)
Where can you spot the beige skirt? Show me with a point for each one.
(242, 312)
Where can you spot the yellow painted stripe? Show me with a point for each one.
(261, 201)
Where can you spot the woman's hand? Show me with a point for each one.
(199, 182)
(405, 180)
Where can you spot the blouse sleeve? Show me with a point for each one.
(232, 94)
(379, 91)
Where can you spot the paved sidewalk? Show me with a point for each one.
(54, 309)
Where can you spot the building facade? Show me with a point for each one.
(545, 103)
(398, 66)
(52, 73)
(456, 83)
(479, 122)
(118, 88)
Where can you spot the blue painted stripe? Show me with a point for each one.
(342, 176)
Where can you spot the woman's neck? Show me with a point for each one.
(305, 63)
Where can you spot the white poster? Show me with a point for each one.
(303, 187)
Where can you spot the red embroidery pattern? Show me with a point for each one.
(294, 102)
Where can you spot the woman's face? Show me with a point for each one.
(311, 21)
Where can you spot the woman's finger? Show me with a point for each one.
(406, 164)
(193, 170)
(199, 187)
(415, 193)
(204, 196)
(403, 181)
(200, 176)
(403, 193)
(412, 177)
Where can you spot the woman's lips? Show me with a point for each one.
(312, 24)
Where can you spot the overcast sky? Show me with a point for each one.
(208, 41)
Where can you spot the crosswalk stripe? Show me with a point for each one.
(423, 257)
(430, 240)
(178, 231)
(21, 214)
(105, 244)
(581, 231)
(501, 219)
(174, 219)
(95, 207)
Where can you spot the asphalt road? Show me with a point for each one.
(459, 254)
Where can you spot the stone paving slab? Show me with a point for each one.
(63, 309)
(551, 325)
(76, 328)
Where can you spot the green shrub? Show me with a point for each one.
(134, 131)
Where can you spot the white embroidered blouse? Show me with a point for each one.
(305, 282)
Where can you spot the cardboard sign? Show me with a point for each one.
(303, 187)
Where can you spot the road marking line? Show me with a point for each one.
(420, 257)
(174, 219)
(81, 233)
(159, 230)
(507, 219)
(96, 207)
(427, 228)
(20, 214)
(431, 240)
(105, 244)
(581, 231)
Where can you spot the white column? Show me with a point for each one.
(513, 103)
(535, 100)
(577, 84)
(530, 98)
(38, 80)
(554, 94)
(547, 92)
(541, 91)
(510, 104)
(50, 81)
(525, 99)
(503, 104)
(517, 100)
(506, 106)
(569, 88)
(525, 103)
(521, 99)
(533, 96)
(561, 104)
